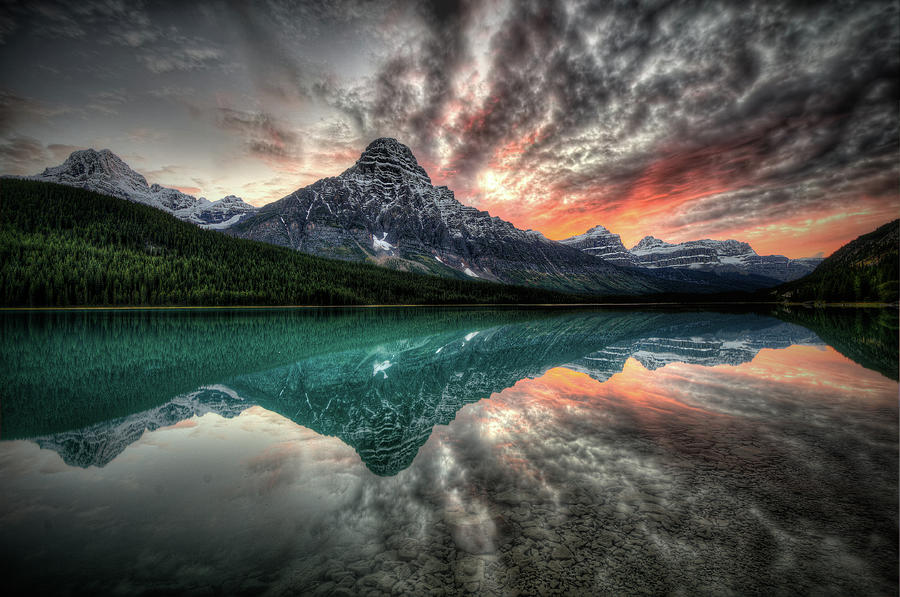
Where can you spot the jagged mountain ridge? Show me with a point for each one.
(718, 256)
(105, 172)
(385, 208)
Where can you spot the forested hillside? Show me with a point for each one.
(62, 246)
(864, 270)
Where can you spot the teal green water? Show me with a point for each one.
(411, 451)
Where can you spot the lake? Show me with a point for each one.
(447, 451)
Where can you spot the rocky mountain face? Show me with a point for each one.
(600, 242)
(385, 209)
(105, 172)
(719, 256)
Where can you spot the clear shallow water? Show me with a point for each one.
(407, 452)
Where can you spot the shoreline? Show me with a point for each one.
(863, 305)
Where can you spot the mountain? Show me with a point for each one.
(61, 246)
(864, 270)
(385, 209)
(227, 211)
(726, 257)
(600, 242)
(372, 393)
(105, 172)
(99, 444)
(720, 256)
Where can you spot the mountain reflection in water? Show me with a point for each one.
(564, 452)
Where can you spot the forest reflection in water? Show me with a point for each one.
(570, 452)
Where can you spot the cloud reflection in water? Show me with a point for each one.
(772, 474)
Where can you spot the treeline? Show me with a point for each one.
(63, 246)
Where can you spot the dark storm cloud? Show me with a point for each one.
(268, 40)
(266, 54)
(185, 58)
(762, 97)
(108, 102)
(15, 109)
(76, 19)
(262, 134)
(436, 58)
(143, 29)
(523, 83)
(21, 153)
(700, 114)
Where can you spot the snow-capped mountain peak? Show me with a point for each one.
(600, 242)
(102, 169)
(105, 172)
(597, 230)
(230, 200)
(649, 243)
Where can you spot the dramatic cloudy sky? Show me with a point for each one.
(774, 123)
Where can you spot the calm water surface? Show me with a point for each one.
(399, 451)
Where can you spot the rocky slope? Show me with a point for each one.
(721, 257)
(105, 172)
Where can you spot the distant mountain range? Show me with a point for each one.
(720, 256)
(105, 172)
(385, 209)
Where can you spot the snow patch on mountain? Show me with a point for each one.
(381, 243)
(381, 368)
(223, 225)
